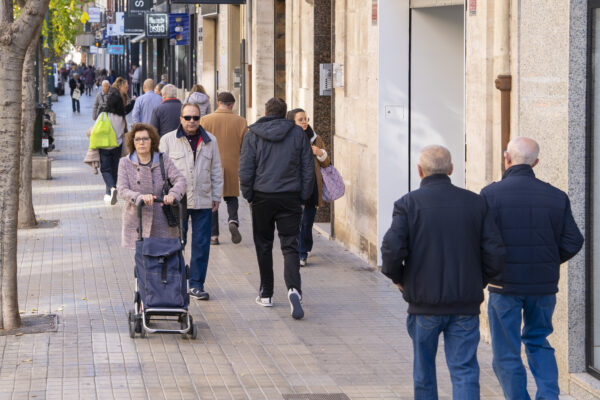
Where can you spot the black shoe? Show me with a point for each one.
(236, 236)
(214, 241)
(199, 294)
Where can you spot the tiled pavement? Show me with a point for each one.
(353, 339)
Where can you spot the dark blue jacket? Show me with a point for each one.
(443, 247)
(165, 117)
(276, 158)
(538, 229)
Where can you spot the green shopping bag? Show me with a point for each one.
(103, 135)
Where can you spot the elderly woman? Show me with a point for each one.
(305, 239)
(100, 101)
(117, 106)
(140, 179)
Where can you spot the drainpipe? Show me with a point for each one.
(502, 64)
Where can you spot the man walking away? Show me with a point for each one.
(277, 175)
(539, 231)
(441, 250)
(135, 79)
(146, 103)
(75, 83)
(166, 116)
(229, 129)
(196, 154)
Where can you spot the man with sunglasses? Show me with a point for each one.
(196, 154)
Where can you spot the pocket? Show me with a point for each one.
(467, 322)
(428, 322)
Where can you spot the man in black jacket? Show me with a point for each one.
(539, 231)
(75, 83)
(441, 250)
(276, 177)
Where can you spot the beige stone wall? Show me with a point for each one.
(538, 59)
(262, 57)
(355, 139)
(299, 55)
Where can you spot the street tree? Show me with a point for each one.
(15, 36)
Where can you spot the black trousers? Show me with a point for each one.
(285, 213)
(232, 210)
(109, 166)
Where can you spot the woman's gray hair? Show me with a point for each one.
(169, 91)
(105, 81)
(435, 159)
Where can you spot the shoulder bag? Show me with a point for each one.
(171, 213)
(333, 184)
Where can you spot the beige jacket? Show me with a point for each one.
(203, 174)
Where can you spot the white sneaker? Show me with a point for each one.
(107, 198)
(113, 196)
(303, 262)
(295, 304)
(264, 301)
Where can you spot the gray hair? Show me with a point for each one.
(195, 105)
(523, 150)
(105, 82)
(169, 91)
(435, 159)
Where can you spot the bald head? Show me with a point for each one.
(434, 159)
(148, 85)
(522, 150)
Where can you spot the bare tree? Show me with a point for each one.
(15, 37)
(26, 215)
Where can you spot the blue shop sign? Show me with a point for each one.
(116, 49)
(179, 29)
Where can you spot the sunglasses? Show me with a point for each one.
(191, 117)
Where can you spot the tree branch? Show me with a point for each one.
(32, 15)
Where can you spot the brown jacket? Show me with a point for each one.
(135, 181)
(317, 141)
(229, 129)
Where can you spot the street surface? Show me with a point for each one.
(353, 339)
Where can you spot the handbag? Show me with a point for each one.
(171, 212)
(103, 134)
(333, 184)
(76, 94)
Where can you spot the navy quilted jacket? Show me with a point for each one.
(537, 228)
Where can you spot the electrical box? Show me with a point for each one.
(325, 79)
(237, 77)
(338, 75)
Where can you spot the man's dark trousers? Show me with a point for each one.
(285, 211)
(75, 104)
(232, 210)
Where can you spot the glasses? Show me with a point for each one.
(141, 139)
(191, 117)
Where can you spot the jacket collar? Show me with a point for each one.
(203, 134)
(134, 157)
(519, 170)
(436, 179)
(224, 111)
(171, 100)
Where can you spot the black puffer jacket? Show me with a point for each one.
(276, 158)
(114, 103)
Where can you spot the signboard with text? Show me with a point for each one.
(94, 14)
(157, 25)
(179, 29)
(139, 6)
(116, 49)
(134, 23)
(209, 1)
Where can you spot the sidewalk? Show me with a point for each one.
(352, 340)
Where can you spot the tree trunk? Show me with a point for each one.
(15, 36)
(26, 212)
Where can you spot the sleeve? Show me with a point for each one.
(571, 239)
(129, 107)
(492, 247)
(155, 121)
(135, 115)
(325, 161)
(394, 248)
(176, 177)
(163, 145)
(123, 184)
(216, 172)
(308, 168)
(96, 107)
(247, 170)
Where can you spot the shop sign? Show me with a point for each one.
(116, 49)
(94, 14)
(134, 23)
(139, 6)
(157, 25)
(179, 29)
(209, 1)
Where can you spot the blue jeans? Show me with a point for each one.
(461, 338)
(305, 239)
(201, 223)
(504, 313)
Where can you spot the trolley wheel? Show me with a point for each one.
(193, 330)
(132, 323)
(138, 324)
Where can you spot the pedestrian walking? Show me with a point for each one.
(277, 176)
(166, 116)
(441, 250)
(195, 153)
(76, 86)
(198, 95)
(100, 101)
(117, 106)
(158, 88)
(145, 104)
(537, 225)
(140, 179)
(164, 79)
(229, 129)
(112, 77)
(89, 78)
(135, 79)
(322, 160)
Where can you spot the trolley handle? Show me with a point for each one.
(141, 205)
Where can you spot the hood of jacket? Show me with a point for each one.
(273, 129)
(199, 98)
